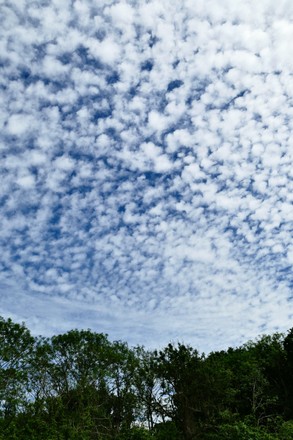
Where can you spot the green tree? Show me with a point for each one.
(16, 344)
(68, 378)
(78, 385)
(184, 383)
(288, 376)
(148, 389)
(123, 364)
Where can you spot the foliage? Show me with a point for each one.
(81, 386)
(16, 345)
(241, 431)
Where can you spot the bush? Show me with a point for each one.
(241, 431)
(136, 433)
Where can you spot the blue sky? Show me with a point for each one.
(146, 168)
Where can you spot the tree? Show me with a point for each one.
(16, 344)
(78, 385)
(288, 375)
(123, 364)
(183, 381)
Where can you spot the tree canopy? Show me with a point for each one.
(81, 386)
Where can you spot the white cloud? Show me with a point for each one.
(157, 121)
(26, 182)
(52, 67)
(290, 255)
(107, 51)
(192, 172)
(121, 13)
(19, 124)
(64, 163)
(36, 157)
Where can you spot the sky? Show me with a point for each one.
(146, 168)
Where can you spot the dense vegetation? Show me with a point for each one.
(81, 386)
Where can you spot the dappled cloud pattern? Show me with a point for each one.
(146, 166)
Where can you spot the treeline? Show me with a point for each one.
(81, 386)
